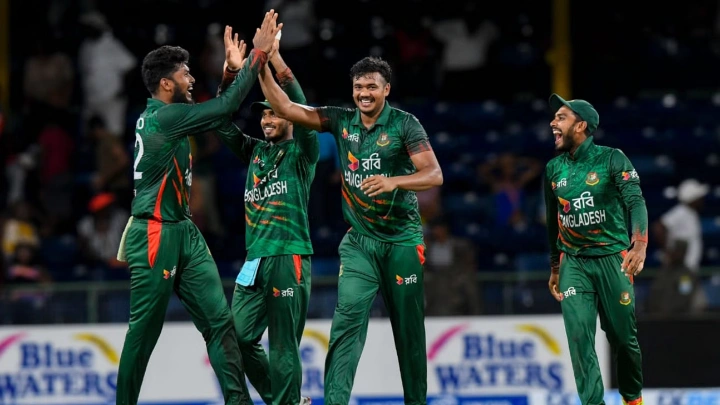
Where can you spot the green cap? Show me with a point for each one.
(582, 108)
(258, 106)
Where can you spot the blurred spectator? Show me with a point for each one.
(25, 270)
(677, 288)
(418, 52)
(104, 61)
(19, 228)
(451, 286)
(679, 231)
(99, 236)
(507, 175)
(56, 192)
(48, 86)
(112, 162)
(467, 38)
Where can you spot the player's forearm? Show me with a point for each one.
(278, 63)
(638, 219)
(240, 87)
(421, 180)
(227, 79)
(284, 107)
(290, 85)
(274, 94)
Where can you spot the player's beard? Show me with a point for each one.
(180, 96)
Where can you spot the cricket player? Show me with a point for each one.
(273, 288)
(386, 158)
(164, 249)
(591, 193)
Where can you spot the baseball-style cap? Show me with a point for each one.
(258, 106)
(691, 190)
(580, 107)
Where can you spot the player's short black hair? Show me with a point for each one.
(162, 63)
(371, 64)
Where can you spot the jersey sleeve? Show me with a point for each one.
(416, 139)
(551, 220)
(239, 143)
(332, 119)
(627, 182)
(179, 119)
(306, 139)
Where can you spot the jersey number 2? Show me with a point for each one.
(140, 150)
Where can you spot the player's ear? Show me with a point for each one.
(581, 127)
(387, 89)
(166, 84)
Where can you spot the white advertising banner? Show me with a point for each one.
(484, 360)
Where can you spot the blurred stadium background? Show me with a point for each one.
(476, 74)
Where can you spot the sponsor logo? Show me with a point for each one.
(171, 273)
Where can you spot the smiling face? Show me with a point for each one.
(182, 85)
(369, 92)
(275, 129)
(568, 129)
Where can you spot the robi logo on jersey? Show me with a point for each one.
(354, 162)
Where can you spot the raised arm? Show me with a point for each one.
(306, 138)
(178, 119)
(284, 107)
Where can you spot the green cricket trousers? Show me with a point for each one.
(368, 265)
(167, 256)
(592, 286)
(278, 301)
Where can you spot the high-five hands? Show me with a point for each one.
(265, 35)
(235, 50)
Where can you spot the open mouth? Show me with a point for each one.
(558, 136)
(267, 129)
(366, 102)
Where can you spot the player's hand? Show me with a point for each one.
(265, 35)
(275, 52)
(378, 184)
(554, 285)
(234, 50)
(634, 261)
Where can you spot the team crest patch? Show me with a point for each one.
(625, 298)
(592, 179)
(383, 140)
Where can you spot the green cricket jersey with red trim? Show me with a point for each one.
(162, 162)
(383, 149)
(277, 188)
(590, 197)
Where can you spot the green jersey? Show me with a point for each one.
(277, 189)
(163, 163)
(383, 149)
(589, 199)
